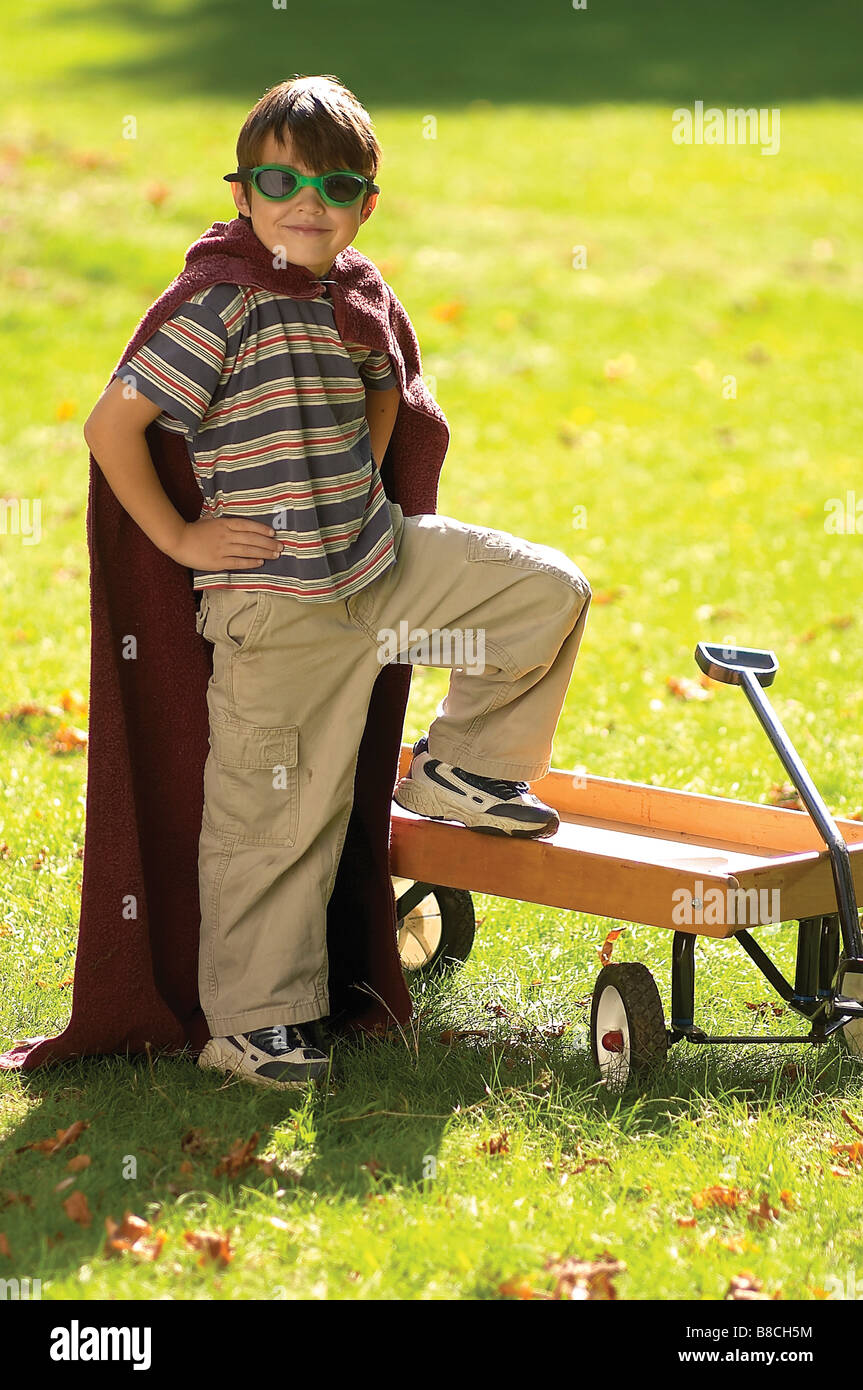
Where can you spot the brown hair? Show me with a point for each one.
(327, 125)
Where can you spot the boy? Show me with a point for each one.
(306, 568)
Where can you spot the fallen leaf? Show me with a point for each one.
(854, 1151)
(448, 312)
(517, 1287)
(63, 1138)
(194, 1141)
(745, 1286)
(129, 1236)
(686, 1221)
(212, 1244)
(686, 689)
(853, 1123)
(9, 1197)
(77, 1209)
(763, 1213)
(156, 193)
(68, 739)
(451, 1035)
(78, 1163)
(495, 1145)
(786, 796)
(239, 1158)
(606, 949)
(717, 1197)
(585, 1279)
(4, 1246)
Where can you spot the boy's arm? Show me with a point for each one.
(114, 431)
(381, 411)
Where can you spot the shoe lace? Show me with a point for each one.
(496, 786)
(279, 1037)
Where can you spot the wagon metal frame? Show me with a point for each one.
(656, 856)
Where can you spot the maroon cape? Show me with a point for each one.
(136, 967)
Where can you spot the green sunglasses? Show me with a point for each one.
(278, 182)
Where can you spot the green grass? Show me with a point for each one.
(704, 519)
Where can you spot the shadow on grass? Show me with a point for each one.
(451, 54)
(375, 1129)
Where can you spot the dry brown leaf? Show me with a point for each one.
(853, 1123)
(156, 193)
(785, 795)
(607, 948)
(4, 1246)
(585, 1279)
(239, 1158)
(518, 1287)
(451, 1035)
(686, 1221)
(495, 1145)
(62, 1139)
(68, 739)
(608, 595)
(745, 1286)
(129, 1235)
(195, 1141)
(738, 1245)
(77, 1209)
(763, 1213)
(686, 689)
(448, 312)
(78, 1163)
(717, 1197)
(9, 1197)
(212, 1244)
(854, 1151)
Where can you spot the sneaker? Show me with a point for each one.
(491, 804)
(281, 1056)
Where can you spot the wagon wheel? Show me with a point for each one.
(436, 927)
(851, 985)
(627, 1025)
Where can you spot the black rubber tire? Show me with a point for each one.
(458, 929)
(644, 1014)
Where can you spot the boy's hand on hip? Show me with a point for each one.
(221, 543)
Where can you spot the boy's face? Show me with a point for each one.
(304, 229)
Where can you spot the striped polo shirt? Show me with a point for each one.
(271, 403)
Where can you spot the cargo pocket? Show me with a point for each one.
(251, 783)
(501, 547)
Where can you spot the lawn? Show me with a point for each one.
(649, 356)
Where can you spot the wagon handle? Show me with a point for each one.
(753, 669)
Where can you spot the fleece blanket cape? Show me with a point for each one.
(136, 967)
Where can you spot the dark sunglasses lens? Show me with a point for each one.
(276, 183)
(343, 188)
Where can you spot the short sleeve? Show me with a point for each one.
(180, 365)
(377, 372)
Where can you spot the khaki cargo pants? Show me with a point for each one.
(288, 700)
